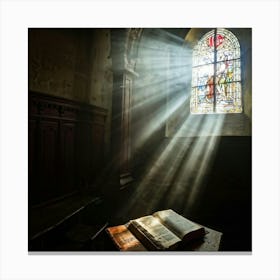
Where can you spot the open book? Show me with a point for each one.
(165, 230)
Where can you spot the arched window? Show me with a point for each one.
(216, 74)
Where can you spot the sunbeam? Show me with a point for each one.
(165, 83)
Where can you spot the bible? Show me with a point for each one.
(165, 230)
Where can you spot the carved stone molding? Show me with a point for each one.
(131, 49)
(133, 37)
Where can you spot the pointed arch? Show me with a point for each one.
(216, 74)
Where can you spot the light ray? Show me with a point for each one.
(164, 84)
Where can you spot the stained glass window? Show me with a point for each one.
(216, 74)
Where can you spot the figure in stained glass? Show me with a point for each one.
(210, 89)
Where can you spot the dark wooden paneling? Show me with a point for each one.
(65, 146)
(97, 139)
(48, 131)
(32, 149)
(84, 146)
(67, 153)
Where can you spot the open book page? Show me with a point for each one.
(179, 225)
(156, 232)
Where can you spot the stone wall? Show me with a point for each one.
(72, 63)
(58, 63)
